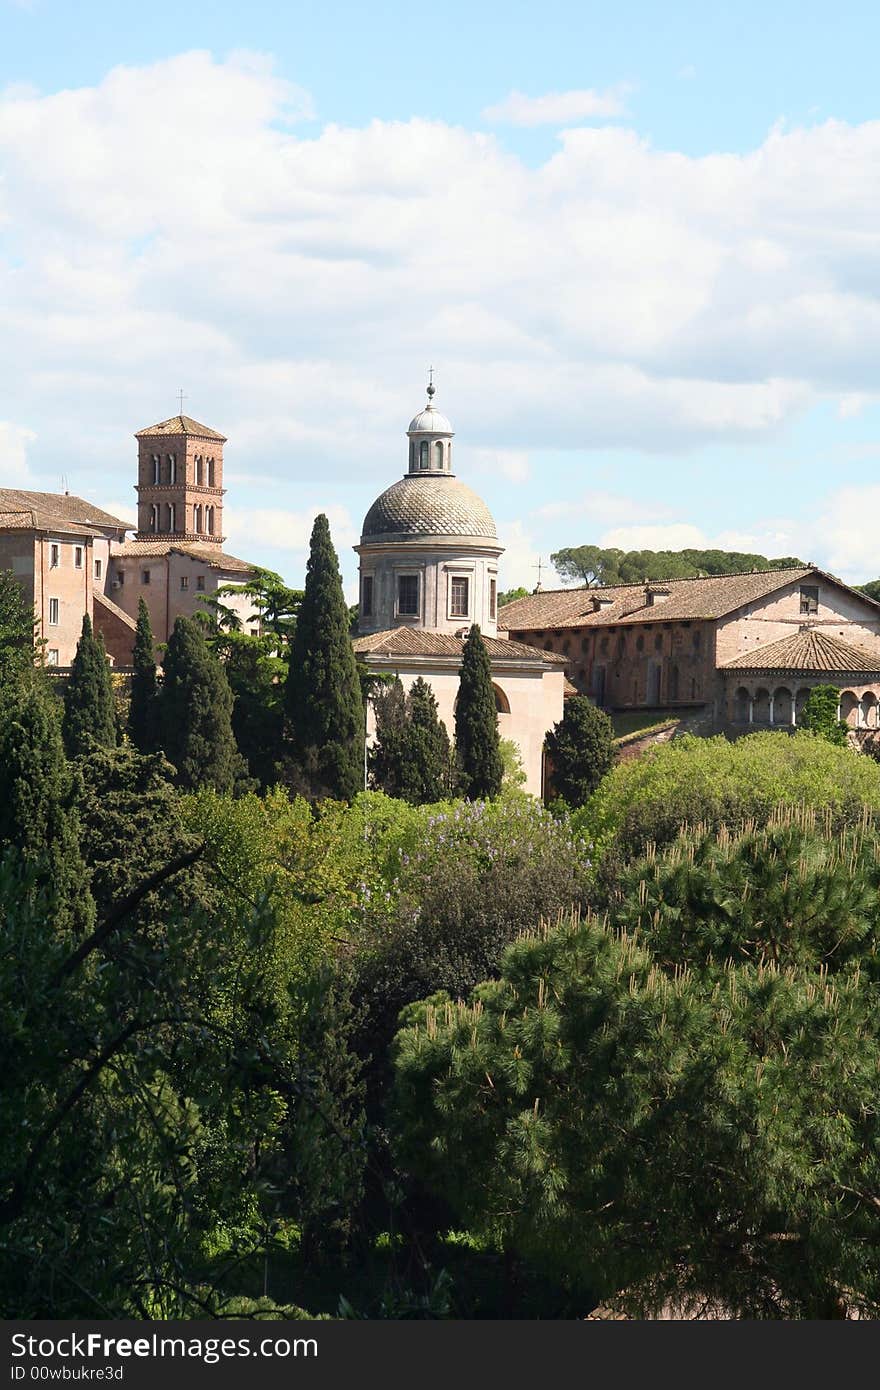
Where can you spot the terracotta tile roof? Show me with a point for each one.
(45, 510)
(181, 424)
(104, 602)
(211, 554)
(413, 641)
(809, 649)
(709, 597)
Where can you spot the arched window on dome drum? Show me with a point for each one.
(412, 454)
(423, 454)
(438, 454)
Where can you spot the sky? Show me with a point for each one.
(640, 246)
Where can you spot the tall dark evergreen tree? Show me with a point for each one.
(476, 723)
(581, 747)
(142, 709)
(39, 827)
(89, 707)
(324, 708)
(194, 723)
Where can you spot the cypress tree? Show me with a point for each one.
(142, 710)
(581, 747)
(194, 715)
(427, 766)
(323, 700)
(39, 826)
(476, 723)
(89, 708)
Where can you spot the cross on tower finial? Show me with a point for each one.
(431, 387)
(182, 399)
(537, 567)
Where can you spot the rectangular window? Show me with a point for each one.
(184, 581)
(493, 598)
(458, 596)
(53, 612)
(200, 583)
(54, 555)
(99, 565)
(367, 596)
(408, 595)
(809, 598)
(52, 656)
(77, 557)
(145, 576)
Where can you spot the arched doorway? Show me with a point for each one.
(849, 709)
(782, 706)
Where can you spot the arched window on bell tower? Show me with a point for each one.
(154, 516)
(197, 519)
(172, 517)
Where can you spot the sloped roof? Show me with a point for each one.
(44, 510)
(181, 424)
(211, 554)
(104, 602)
(809, 649)
(413, 641)
(711, 596)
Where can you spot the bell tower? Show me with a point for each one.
(180, 482)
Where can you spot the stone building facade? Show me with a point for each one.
(721, 645)
(429, 554)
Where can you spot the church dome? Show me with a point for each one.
(429, 421)
(434, 505)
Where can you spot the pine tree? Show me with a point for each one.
(89, 707)
(389, 708)
(476, 723)
(194, 713)
(581, 747)
(39, 827)
(324, 708)
(142, 709)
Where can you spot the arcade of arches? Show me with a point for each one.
(771, 704)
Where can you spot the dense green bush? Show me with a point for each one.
(714, 782)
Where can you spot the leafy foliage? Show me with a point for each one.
(89, 703)
(17, 628)
(711, 781)
(820, 714)
(476, 723)
(581, 747)
(872, 589)
(325, 712)
(592, 565)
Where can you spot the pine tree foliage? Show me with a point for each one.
(195, 712)
(142, 709)
(663, 1137)
(89, 706)
(324, 709)
(411, 757)
(581, 748)
(476, 723)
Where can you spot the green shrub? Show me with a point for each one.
(714, 782)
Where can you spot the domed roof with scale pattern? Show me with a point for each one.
(437, 505)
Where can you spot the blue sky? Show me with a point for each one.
(639, 244)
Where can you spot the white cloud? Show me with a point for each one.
(519, 563)
(510, 464)
(558, 108)
(173, 224)
(279, 529)
(14, 441)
